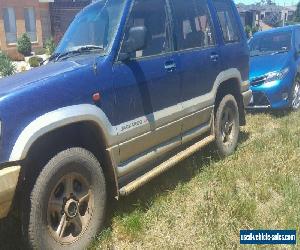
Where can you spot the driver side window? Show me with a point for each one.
(153, 15)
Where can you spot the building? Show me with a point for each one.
(62, 13)
(40, 19)
(23, 16)
(265, 16)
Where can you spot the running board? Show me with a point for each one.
(140, 181)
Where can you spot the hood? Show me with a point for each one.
(36, 76)
(261, 65)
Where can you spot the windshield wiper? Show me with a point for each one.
(87, 48)
(90, 47)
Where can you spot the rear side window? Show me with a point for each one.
(193, 26)
(227, 21)
(153, 15)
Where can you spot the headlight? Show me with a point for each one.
(277, 75)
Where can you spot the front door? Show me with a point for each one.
(148, 85)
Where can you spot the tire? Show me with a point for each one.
(295, 95)
(67, 202)
(227, 126)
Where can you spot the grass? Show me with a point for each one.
(203, 202)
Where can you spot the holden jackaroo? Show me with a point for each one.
(134, 87)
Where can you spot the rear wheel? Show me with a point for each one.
(227, 126)
(67, 203)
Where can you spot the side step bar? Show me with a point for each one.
(134, 185)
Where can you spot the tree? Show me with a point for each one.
(270, 2)
(297, 13)
(7, 67)
(248, 31)
(266, 2)
(24, 45)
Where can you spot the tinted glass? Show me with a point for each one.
(153, 15)
(227, 21)
(270, 43)
(193, 26)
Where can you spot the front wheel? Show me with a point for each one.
(295, 95)
(227, 126)
(67, 203)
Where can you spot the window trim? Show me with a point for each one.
(195, 49)
(215, 45)
(117, 58)
(221, 29)
(3, 11)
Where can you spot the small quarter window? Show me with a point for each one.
(227, 21)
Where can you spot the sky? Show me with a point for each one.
(279, 2)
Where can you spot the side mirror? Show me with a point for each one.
(136, 41)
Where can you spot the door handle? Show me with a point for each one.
(214, 57)
(170, 66)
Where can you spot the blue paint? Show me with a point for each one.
(128, 89)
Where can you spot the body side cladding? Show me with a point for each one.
(59, 118)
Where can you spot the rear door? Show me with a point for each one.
(199, 57)
(234, 49)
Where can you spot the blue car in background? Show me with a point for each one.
(275, 68)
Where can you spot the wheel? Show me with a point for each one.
(227, 126)
(295, 95)
(67, 202)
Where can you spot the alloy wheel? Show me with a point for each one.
(227, 124)
(296, 96)
(70, 208)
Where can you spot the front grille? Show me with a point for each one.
(260, 99)
(258, 81)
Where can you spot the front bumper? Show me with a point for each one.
(273, 95)
(8, 182)
(247, 96)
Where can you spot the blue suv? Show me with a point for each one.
(275, 68)
(133, 88)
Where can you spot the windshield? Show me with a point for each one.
(270, 43)
(95, 27)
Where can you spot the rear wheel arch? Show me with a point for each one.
(231, 86)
